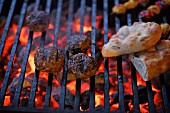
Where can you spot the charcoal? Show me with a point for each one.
(156, 83)
(99, 108)
(127, 99)
(167, 77)
(25, 93)
(59, 77)
(168, 91)
(99, 88)
(99, 78)
(2, 24)
(69, 98)
(24, 102)
(99, 83)
(26, 89)
(142, 92)
(114, 98)
(84, 100)
(16, 19)
(3, 62)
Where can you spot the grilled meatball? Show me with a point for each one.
(165, 30)
(154, 9)
(82, 66)
(119, 9)
(78, 43)
(38, 21)
(49, 59)
(131, 4)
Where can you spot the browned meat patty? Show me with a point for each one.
(78, 43)
(82, 66)
(38, 21)
(49, 59)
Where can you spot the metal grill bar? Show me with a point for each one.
(65, 71)
(48, 6)
(106, 71)
(133, 76)
(83, 4)
(8, 21)
(37, 2)
(50, 75)
(135, 89)
(93, 52)
(23, 68)
(57, 22)
(42, 41)
(14, 47)
(149, 88)
(64, 81)
(164, 94)
(48, 91)
(150, 97)
(78, 81)
(1, 5)
(120, 84)
(77, 95)
(119, 71)
(31, 102)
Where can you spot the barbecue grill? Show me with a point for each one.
(128, 19)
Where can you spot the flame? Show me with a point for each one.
(114, 107)
(31, 62)
(25, 33)
(99, 99)
(51, 26)
(144, 108)
(7, 101)
(87, 23)
(76, 26)
(71, 86)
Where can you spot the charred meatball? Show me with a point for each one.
(82, 66)
(154, 9)
(78, 43)
(119, 9)
(49, 59)
(38, 21)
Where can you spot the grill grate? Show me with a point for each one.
(133, 75)
(31, 103)
(106, 71)
(7, 74)
(4, 34)
(119, 69)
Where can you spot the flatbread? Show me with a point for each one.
(151, 64)
(130, 39)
